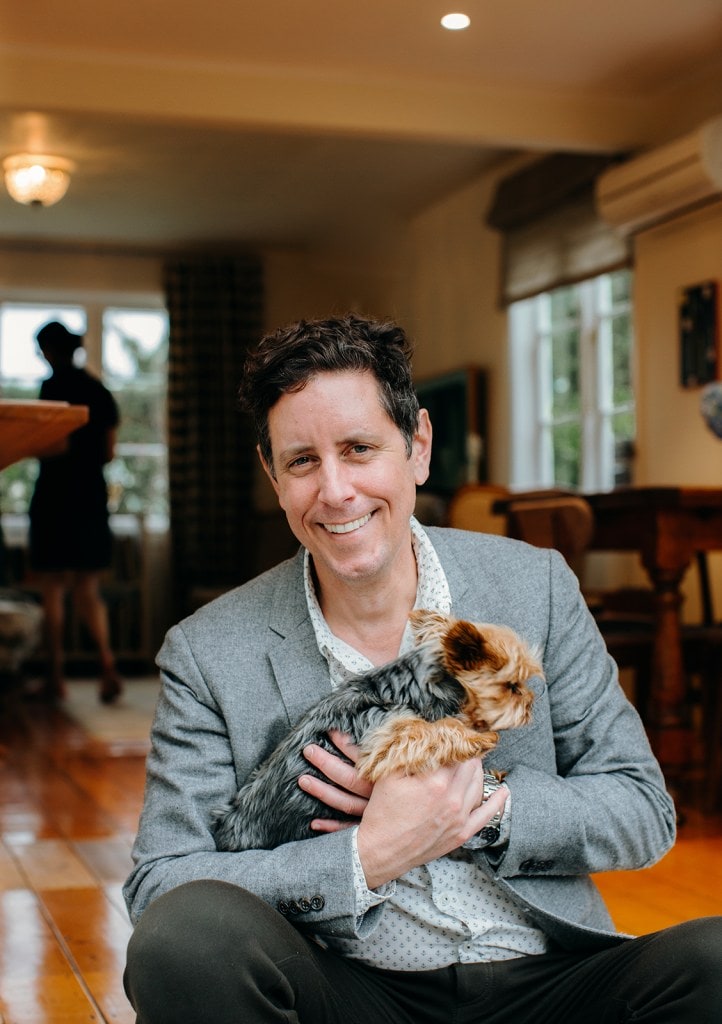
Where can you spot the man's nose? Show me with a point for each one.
(335, 484)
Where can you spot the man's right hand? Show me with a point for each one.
(404, 820)
(413, 819)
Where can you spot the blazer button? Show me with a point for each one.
(317, 903)
(527, 866)
(293, 907)
(282, 907)
(304, 905)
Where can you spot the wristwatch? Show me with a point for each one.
(492, 830)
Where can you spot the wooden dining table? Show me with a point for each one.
(667, 526)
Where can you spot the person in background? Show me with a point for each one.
(450, 896)
(70, 539)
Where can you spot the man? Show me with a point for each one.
(410, 914)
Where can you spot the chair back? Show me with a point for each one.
(564, 522)
(471, 508)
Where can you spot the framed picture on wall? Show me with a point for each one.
(698, 341)
(456, 402)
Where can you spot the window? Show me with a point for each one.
(135, 360)
(128, 347)
(573, 416)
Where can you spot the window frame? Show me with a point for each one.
(532, 420)
(95, 304)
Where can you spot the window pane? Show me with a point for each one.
(135, 348)
(21, 365)
(135, 341)
(621, 282)
(565, 373)
(135, 356)
(624, 428)
(22, 369)
(581, 410)
(567, 441)
(622, 359)
(564, 304)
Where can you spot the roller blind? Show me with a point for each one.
(552, 235)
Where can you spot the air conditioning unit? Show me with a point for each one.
(663, 182)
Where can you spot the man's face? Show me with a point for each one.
(343, 476)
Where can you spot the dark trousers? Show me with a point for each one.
(212, 952)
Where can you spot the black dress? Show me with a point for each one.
(69, 508)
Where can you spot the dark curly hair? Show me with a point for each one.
(288, 358)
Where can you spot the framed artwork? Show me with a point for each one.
(698, 342)
(456, 402)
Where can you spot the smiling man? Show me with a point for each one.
(414, 911)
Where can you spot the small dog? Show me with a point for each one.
(441, 703)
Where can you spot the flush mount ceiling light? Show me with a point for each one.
(35, 179)
(456, 22)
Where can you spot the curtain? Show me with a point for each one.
(552, 234)
(215, 308)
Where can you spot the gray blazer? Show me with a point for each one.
(587, 793)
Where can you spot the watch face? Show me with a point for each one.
(489, 834)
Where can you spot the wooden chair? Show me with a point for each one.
(564, 522)
(625, 617)
(471, 508)
(702, 651)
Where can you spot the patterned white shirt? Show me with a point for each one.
(447, 911)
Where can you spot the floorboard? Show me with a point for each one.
(68, 812)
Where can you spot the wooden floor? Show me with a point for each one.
(68, 812)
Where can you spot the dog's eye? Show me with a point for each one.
(514, 687)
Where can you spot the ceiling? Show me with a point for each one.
(287, 123)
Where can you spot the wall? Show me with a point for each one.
(308, 283)
(39, 274)
(675, 446)
(455, 318)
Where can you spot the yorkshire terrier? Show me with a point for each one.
(442, 702)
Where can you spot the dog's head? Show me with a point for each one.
(491, 662)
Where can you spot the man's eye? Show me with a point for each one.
(300, 463)
(360, 449)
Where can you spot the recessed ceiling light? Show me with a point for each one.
(454, 22)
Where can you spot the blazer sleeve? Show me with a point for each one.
(587, 792)
(190, 763)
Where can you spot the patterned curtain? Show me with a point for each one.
(215, 307)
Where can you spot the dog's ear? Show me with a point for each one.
(427, 625)
(467, 649)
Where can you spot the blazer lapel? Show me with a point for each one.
(299, 667)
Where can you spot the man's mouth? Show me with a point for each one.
(355, 524)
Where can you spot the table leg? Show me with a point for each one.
(668, 715)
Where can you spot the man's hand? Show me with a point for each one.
(406, 820)
(413, 819)
(348, 794)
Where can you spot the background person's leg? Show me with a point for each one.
(53, 586)
(93, 611)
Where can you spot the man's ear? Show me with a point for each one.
(421, 449)
(267, 470)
